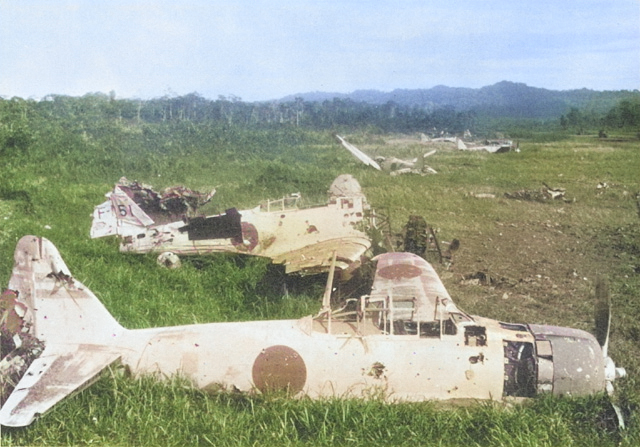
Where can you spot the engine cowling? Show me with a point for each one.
(571, 362)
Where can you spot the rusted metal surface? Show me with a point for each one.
(407, 340)
(301, 239)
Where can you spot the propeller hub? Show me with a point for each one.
(611, 373)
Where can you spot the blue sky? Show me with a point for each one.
(260, 50)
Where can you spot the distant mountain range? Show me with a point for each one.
(502, 99)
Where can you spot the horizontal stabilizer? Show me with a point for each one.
(52, 377)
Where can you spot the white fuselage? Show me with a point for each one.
(342, 363)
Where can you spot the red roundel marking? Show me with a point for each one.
(249, 235)
(399, 271)
(279, 368)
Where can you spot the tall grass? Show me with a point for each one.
(121, 411)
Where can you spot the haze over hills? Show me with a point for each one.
(501, 99)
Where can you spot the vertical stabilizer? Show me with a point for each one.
(79, 334)
(59, 308)
(120, 215)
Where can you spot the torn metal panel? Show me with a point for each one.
(316, 258)
(170, 204)
(18, 347)
(133, 203)
(407, 341)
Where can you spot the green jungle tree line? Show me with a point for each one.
(22, 121)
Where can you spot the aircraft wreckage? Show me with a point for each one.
(302, 239)
(491, 146)
(392, 165)
(406, 340)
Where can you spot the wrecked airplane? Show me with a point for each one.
(491, 146)
(392, 165)
(406, 340)
(300, 238)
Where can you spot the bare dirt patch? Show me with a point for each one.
(539, 271)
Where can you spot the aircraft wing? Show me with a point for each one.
(52, 377)
(318, 256)
(408, 275)
(359, 154)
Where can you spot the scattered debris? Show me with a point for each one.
(539, 195)
(486, 279)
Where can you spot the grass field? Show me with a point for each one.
(543, 256)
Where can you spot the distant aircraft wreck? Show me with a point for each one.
(302, 239)
(405, 341)
(392, 165)
(492, 146)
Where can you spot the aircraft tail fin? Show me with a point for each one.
(120, 215)
(79, 333)
(59, 308)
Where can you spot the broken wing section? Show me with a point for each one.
(317, 257)
(51, 378)
(359, 154)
